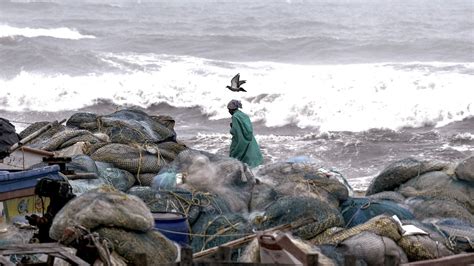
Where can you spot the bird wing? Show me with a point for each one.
(234, 83)
(242, 82)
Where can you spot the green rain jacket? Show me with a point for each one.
(244, 147)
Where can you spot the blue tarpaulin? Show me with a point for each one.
(10, 181)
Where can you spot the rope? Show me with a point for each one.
(204, 235)
(20, 122)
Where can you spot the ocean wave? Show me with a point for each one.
(353, 97)
(59, 33)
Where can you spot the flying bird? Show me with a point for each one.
(235, 83)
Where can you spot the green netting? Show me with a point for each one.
(133, 159)
(373, 248)
(132, 246)
(134, 126)
(423, 247)
(83, 121)
(103, 207)
(59, 138)
(82, 164)
(437, 208)
(388, 195)
(401, 171)
(381, 225)
(212, 230)
(359, 210)
(318, 214)
(118, 178)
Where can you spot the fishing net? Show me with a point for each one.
(380, 225)
(83, 121)
(132, 245)
(87, 138)
(302, 179)
(388, 195)
(262, 196)
(401, 171)
(133, 159)
(458, 191)
(58, 139)
(456, 234)
(103, 207)
(319, 216)
(465, 169)
(191, 203)
(426, 208)
(164, 120)
(337, 255)
(134, 126)
(422, 247)
(120, 179)
(145, 179)
(212, 230)
(82, 164)
(359, 210)
(223, 176)
(165, 180)
(81, 186)
(171, 149)
(373, 248)
(44, 137)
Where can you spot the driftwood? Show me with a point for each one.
(50, 249)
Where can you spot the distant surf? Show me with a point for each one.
(59, 33)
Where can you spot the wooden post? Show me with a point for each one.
(390, 260)
(186, 257)
(349, 260)
(50, 261)
(312, 259)
(223, 254)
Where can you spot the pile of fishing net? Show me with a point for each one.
(125, 126)
(121, 218)
(401, 171)
(212, 230)
(305, 179)
(128, 139)
(314, 215)
(132, 245)
(103, 207)
(225, 177)
(359, 210)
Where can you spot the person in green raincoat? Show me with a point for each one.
(244, 147)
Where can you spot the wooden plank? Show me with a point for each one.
(20, 193)
(238, 242)
(454, 260)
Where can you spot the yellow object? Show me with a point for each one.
(19, 207)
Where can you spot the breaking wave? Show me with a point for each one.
(59, 33)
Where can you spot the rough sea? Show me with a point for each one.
(352, 85)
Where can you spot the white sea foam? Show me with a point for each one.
(59, 33)
(332, 97)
